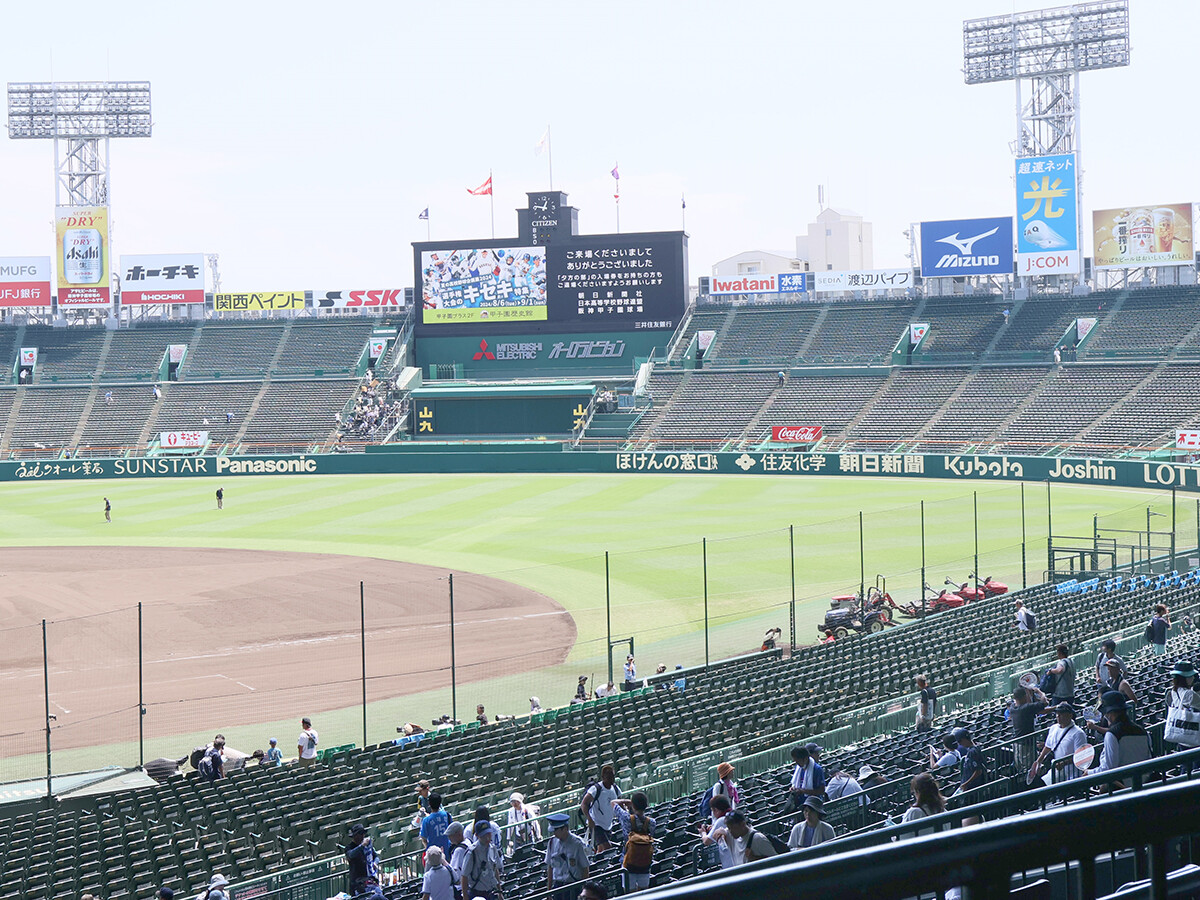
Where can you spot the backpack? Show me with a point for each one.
(705, 807)
(1149, 633)
(206, 768)
(1048, 683)
(489, 878)
(1030, 619)
(639, 846)
(777, 842)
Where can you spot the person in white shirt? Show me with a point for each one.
(1022, 616)
(812, 829)
(842, 784)
(927, 800)
(439, 880)
(597, 807)
(1062, 740)
(715, 833)
(523, 825)
(306, 744)
(948, 755)
(606, 690)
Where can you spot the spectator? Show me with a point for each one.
(535, 705)
(811, 829)
(1118, 683)
(306, 744)
(459, 848)
(926, 704)
(1108, 650)
(483, 867)
(164, 893)
(714, 832)
(108, 398)
(1023, 617)
(581, 691)
(364, 864)
(808, 778)
(869, 778)
(726, 785)
(606, 690)
(597, 807)
(480, 715)
(750, 845)
(1062, 740)
(842, 784)
(423, 806)
(274, 754)
(1064, 676)
(157, 393)
(1183, 706)
(781, 377)
(1125, 742)
(630, 673)
(215, 889)
(523, 826)
(434, 825)
(948, 755)
(567, 859)
(1006, 314)
(661, 670)
(212, 764)
(770, 639)
(680, 680)
(439, 880)
(482, 814)
(927, 799)
(974, 769)
(1159, 625)
(639, 841)
(1026, 704)
(591, 890)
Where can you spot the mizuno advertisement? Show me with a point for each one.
(966, 247)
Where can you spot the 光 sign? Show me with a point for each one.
(966, 247)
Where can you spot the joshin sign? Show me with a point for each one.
(83, 258)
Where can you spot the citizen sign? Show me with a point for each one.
(796, 434)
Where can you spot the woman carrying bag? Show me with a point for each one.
(1183, 718)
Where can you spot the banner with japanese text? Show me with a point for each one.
(1047, 219)
(863, 280)
(382, 298)
(25, 281)
(81, 234)
(267, 300)
(1142, 236)
(162, 278)
(502, 284)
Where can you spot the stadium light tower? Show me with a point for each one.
(1048, 48)
(80, 117)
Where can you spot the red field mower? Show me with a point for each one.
(982, 590)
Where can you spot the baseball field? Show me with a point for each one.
(251, 615)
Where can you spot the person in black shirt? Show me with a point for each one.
(364, 864)
(1027, 703)
(220, 498)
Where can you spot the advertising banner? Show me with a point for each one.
(504, 284)
(175, 352)
(29, 356)
(704, 340)
(162, 278)
(1083, 327)
(1187, 439)
(383, 298)
(795, 434)
(25, 281)
(954, 247)
(183, 440)
(83, 257)
(1047, 224)
(863, 280)
(267, 300)
(375, 347)
(917, 332)
(1142, 236)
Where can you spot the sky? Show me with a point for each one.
(301, 140)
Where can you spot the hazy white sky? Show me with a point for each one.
(300, 140)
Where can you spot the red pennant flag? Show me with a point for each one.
(483, 189)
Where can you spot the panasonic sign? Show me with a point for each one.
(957, 247)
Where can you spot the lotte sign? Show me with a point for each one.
(796, 434)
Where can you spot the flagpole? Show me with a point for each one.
(683, 212)
(492, 202)
(427, 237)
(550, 156)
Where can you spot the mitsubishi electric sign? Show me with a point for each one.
(966, 247)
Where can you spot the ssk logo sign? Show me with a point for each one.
(796, 434)
(391, 297)
(966, 247)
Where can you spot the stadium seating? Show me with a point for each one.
(961, 326)
(135, 353)
(223, 350)
(851, 333)
(315, 346)
(65, 354)
(298, 414)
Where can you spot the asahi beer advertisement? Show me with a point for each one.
(1142, 236)
(82, 255)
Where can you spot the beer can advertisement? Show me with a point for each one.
(82, 255)
(162, 278)
(1135, 236)
(502, 284)
(24, 281)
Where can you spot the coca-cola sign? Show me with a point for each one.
(796, 434)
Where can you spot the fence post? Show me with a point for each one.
(1049, 532)
(862, 560)
(46, 686)
(975, 512)
(922, 560)
(1174, 567)
(453, 670)
(704, 561)
(792, 606)
(141, 697)
(607, 619)
(362, 625)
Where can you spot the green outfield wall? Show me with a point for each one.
(1115, 473)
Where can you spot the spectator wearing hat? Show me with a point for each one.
(274, 754)
(1119, 683)
(869, 778)
(1160, 624)
(581, 691)
(726, 786)
(1108, 650)
(947, 756)
(434, 825)
(439, 880)
(216, 889)
(523, 827)
(364, 864)
(597, 807)
(680, 679)
(459, 848)
(608, 689)
(164, 893)
(1062, 740)
(814, 750)
(483, 866)
(306, 743)
(567, 859)
(974, 769)
(1125, 742)
(630, 673)
(632, 814)
(423, 807)
(1182, 708)
(812, 829)
(808, 777)
(926, 704)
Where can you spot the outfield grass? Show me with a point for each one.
(550, 533)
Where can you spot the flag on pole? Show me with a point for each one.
(541, 145)
(682, 202)
(483, 189)
(616, 174)
(424, 214)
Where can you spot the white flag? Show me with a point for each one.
(541, 145)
